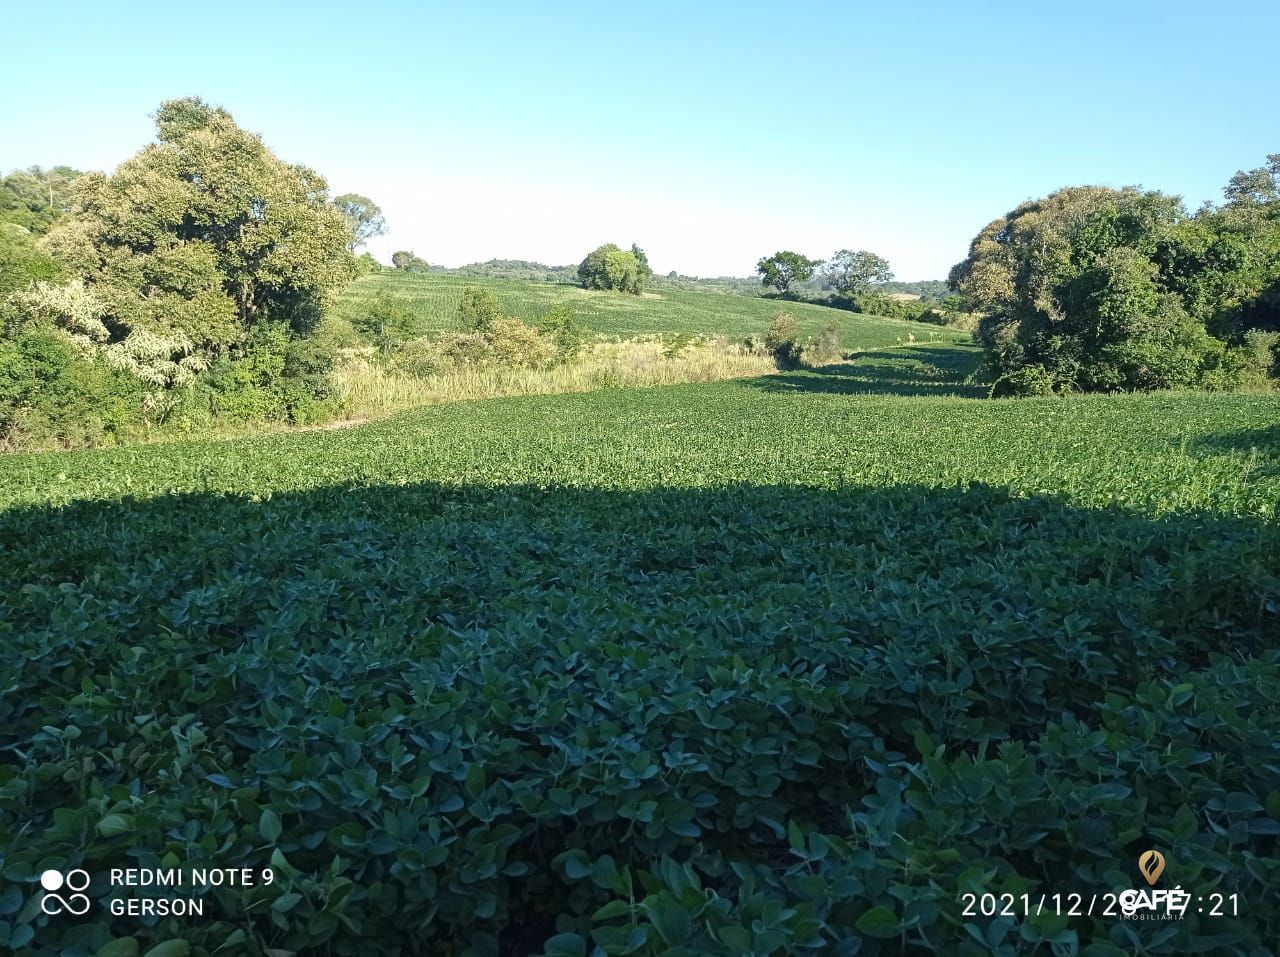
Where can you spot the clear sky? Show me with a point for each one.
(709, 133)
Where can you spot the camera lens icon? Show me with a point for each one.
(75, 903)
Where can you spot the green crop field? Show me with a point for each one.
(434, 299)
(772, 666)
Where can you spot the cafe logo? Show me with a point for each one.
(1151, 863)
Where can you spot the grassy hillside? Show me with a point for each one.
(544, 670)
(435, 299)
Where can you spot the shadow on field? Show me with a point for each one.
(427, 679)
(908, 370)
(1262, 444)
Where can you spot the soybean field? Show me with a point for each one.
(786, 665)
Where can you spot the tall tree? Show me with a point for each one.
(364, 218)
(194, 241)
(852, 271)
(609, 267)
(784, 268)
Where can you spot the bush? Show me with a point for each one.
(51, 392)
(781, 340)
(478, 309)
(823, 348)
(21, 261)
(515, 344)
(388, 323)
(367, 265)
(421, 357)
(879, 304)
(276, 377)
(1262, 353)
(673, 347)
(1029, 380)
(561, 327)
(463, 348)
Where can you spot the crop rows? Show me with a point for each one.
(434, 300)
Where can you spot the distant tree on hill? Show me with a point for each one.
(608, 267)
(784, 268)
(364, 218)
(405, 260)
(851, 271)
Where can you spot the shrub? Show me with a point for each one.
(478, 309)
(781, 340)
(823, 348)
(421, 357)
(50, 391)
(514, 343)
(675, 345)
(276, 377)
(388, 323)
(880, 304)
(1027, 380)
(463, 348)
(1262, 351)
(21, 262)
(563, 329)
(367, 265)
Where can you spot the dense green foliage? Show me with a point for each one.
(608, 267)
(479, 309)
(51, 391)
(503, 675)
(435, 300)
(561, 326)
(22, 263)
(784, 269)
(194, 240)
(849, 271)
(34, 198)
(386, 322)
(929, 289)
(1095, 289)
(31, 201)
(182, 269)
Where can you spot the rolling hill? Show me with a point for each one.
(666, 311)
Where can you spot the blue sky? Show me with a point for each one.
(710, 133)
